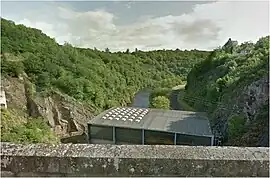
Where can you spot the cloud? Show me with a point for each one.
(207, 26)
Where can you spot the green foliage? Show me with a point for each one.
(103, 79)
(164, 92)
(253, 131)
(217, 83)
(160, 92)
(161, 102)
(223, 74)
(21, 130)
(236, 126)
(11, 67)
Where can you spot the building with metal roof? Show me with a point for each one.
(129, 125)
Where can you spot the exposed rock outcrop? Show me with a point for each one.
(254, 96)
(248, 103)
(65, 116)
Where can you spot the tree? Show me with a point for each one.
(161, 102)
(12, 68)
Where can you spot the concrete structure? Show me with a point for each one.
(3, 100)
(129, 125)
(132, 160)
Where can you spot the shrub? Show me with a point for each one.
(236, 126)
(12, 68)
(25, 130)
(161, 102)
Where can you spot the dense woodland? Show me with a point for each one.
(102, 79)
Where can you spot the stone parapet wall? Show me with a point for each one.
(132, 160)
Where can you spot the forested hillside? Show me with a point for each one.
(97, 79)
(232, 86)
(102, 79)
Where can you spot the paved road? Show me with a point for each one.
(175, 105)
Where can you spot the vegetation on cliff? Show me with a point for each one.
(15, 128)
(215, 84)
(221, 73)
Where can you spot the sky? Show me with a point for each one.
(145, 25)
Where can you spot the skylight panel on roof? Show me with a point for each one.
(126, 114)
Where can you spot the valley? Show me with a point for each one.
(56, 89)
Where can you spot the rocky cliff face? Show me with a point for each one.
(253, 103)
(66, 117)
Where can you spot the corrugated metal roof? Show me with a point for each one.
(186, 122)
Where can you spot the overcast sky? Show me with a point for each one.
(150, 25)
